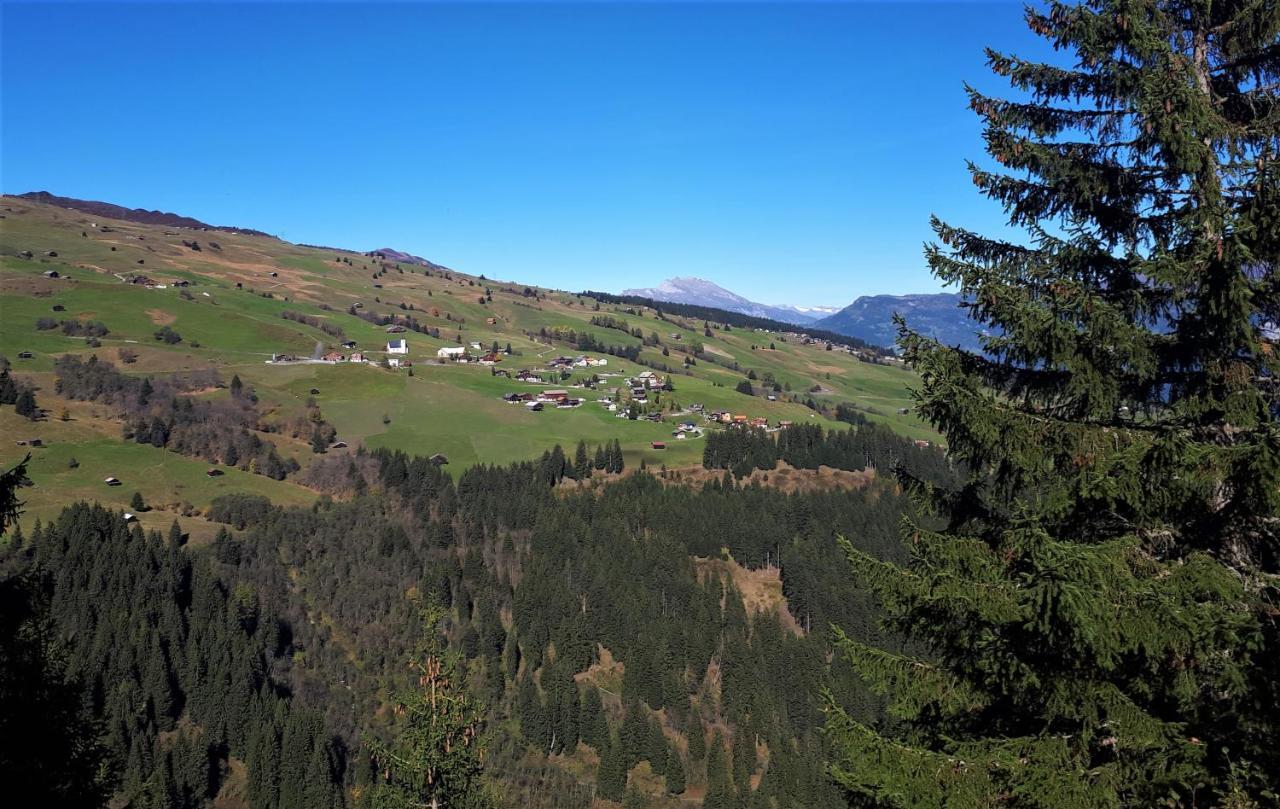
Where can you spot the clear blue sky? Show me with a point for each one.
(789, 152)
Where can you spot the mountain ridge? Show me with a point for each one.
(868, 318)
(142, 216)
(939, 315)
(694, 290)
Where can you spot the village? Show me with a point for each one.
(636, 398)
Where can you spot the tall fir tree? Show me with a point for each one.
(51, 750)
(1096, 602)
(674, 771)
(720, 792)
(436, 757)
(582, 461)
(25, 405)
(611, 775)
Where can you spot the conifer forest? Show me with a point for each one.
(1067, 596)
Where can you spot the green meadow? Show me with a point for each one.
(230, 318)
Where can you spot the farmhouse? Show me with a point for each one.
(334, 356)
(357, 356)
(451, 352)
(112, 481)
(648, 379)
(348, 344)
(556, 396)
(490, 359)
(394, 329)
(398, 346)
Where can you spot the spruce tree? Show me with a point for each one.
(697, 738)
(592, 723)
(1094, 607)
(720, 793)
(582, 461)
(51, 748)
(25, 405)
(674, 770)
(435, 759)
(611, 776)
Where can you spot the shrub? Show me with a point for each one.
(167, 335)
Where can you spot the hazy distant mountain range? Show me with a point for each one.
(705, 293)
(939, 315)
(868, 318)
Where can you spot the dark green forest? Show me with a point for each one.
(271, 654)
(1076, 606)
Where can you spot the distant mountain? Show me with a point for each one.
(142, 216)
(870, 318)
(701, 292)
(390, 254)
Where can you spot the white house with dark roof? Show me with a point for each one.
(397, 346)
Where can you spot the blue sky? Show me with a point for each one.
(790, 152)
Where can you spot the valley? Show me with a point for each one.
(342, 440)
(226, 299)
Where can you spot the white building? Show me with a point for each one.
(451, 352)
(397, 346)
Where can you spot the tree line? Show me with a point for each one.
(159, 411)
(808, 446)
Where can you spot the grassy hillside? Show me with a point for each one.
(230, 317)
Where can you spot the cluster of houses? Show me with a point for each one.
(641, 384)
(686, 429)
(151, 283)
(740, 420)
(462, 355)
(580, 361)
(537, 401)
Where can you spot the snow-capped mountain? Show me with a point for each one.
(705, 293)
